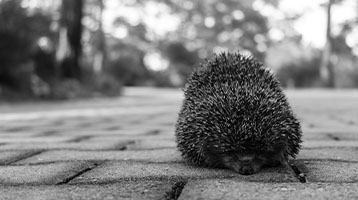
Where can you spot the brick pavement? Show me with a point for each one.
(124, 148)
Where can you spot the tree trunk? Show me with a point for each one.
(101, 54)
(326, 69)
(69, 45)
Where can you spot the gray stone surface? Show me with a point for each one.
(329, 134)
(85, 145)
(343, 154)
(7, 157)
(124, 148)
(235, 189)
(152, 144)
(160, 155)
(129, 190)
(329, 171)
(53, 139)
(117, 171)
(40, 174)
(329, 143)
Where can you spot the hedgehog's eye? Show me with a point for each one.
(246, 158)
(228, 158)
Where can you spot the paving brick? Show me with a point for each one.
(40, 174)
(143, 129)
(150, 135)
(23, 126)
(235, 189)
(115, 171)
(47, 130)
(37, 139)
(322, 122)
(100, 145)
(152, 144)
(160, 155)
(115, 137)
(329, 143)
(6, 135)
(163, 121)
(329, 171)
(7, 157)
(344, 154)
(84, 112)
(324, 134)
(146, 190)
(118, 133)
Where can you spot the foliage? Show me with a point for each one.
(18, 32)
(302, 73)
(107, 85)
(92, 60)
(126, 64)
(296, 65)
(205, 27)
(209, 26)
(181, 60)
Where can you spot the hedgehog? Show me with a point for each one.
(235, 115)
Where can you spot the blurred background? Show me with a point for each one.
(64, 49)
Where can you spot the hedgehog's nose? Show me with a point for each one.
(246, 170)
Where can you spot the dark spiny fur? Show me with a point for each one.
(235, 115)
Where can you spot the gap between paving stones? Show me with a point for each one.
(46, 174)
(81, 138)
(176, 190)
(84, 170)
(328, 170)
(20, 157)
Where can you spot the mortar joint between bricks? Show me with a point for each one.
(23, 156)
(176, 190)
(91, 166)
(81, 138)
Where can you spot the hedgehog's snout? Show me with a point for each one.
(246, 167)
(246, 170)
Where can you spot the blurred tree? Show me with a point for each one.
(69, 47)
(94, 40)
(101, 55)
(41, 49)
(295, 65)
(343, 59)
(214, 26)
(204, 27)
(182, 61)
(19, 32)
(126, 56)
(125, 63)
(326, 69)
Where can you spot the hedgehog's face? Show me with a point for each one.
(249, 162)
(245, 163)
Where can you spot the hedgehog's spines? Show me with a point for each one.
(234, 103)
